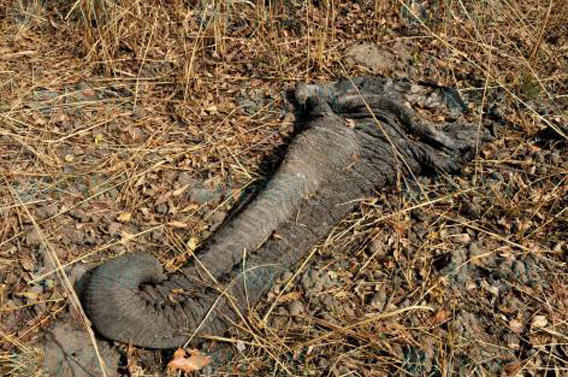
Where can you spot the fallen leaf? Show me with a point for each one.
(177, 224)
(180, 190)
(539, 322)
(192, 243)
(163, 198)
(513, 368)
(441, 316)
(292, 296)
(126, 237)
(124, 217)
(194, 362)
(516, 326)
(99, 139)
(211, 109)
(27, 263)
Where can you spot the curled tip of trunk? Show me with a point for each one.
(116, 284)
(359, 136)
(121, 308)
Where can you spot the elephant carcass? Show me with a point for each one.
(359, 136)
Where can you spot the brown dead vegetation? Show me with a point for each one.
(136, 125)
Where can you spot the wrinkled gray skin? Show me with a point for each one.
(329, 166)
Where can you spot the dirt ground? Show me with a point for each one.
(137, 125)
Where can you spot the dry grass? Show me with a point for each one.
(104, 104)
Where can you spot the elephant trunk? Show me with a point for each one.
(152, 317)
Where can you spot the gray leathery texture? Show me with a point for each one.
(355, 141)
